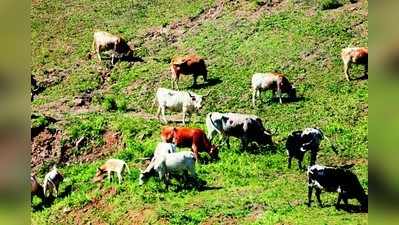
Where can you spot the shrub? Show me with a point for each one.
(109, 103)
(121, 105)
(330, 4)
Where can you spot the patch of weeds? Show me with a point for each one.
(109, 103)
(329, 4)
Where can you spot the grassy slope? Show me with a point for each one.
(252, 188)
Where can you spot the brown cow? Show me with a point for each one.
(354, 56)
(189, 137)
(36, 189)
(190, 64)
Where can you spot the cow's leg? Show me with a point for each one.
(112, 58)
(313, 156)
(347, 65)
(310, 190)
(300, 164)
(289, 162)
(184, 117)
(195, 80)
(119, 177)
(338, 200)
(253, 97)
(159, 112)
(163, 115)
(56, 190)
(98, 53)
(318, 192)
(195, 149)
(205, 77)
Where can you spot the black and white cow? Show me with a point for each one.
(299, 142)
(335, 179)
(247, 128)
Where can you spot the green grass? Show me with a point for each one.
(296, 39)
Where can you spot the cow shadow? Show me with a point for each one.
(195, 184)
(287, 100)
(361, 77)
(209, 83)
(350, 208)
(260, 149)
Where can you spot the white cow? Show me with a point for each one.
(271, 81)
(106, 41)
(52, 181)
(177, 163)
(177, 101)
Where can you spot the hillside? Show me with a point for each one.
(86, 111)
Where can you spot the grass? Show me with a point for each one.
(296, 39)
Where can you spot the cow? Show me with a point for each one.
(103, 41)
(52, 181)
(194, 138)
(335, 179)
(354, 55)
(178, 164)
(271, 81)
(178, 101)
(186, 65)
(36, 189)
(111, 165)
(299, 142)
(247, 128)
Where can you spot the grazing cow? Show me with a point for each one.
(36, 189)
(179, 164)
(52, 181)
(354, 56)
(299, 142)
(190, 137)
(190, 64)
(248, 128)
(271, 81)
(335, 179)
(178, 101)
(103, 41)
(111, 165)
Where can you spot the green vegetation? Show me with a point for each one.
(330, 4)
(237, 40)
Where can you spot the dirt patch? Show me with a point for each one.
(266, 7)
(112, 142)
(257, 211)
(138, 217)
(221, 219)
(45, 147)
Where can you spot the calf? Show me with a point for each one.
(36, 189)
(103, 41)
(299, 142)
(190, 137)
(190, 64)
(177, 101)
(271, 81)
(52, 181)
(354, 56)
(179, 164)
(335, 179)
(248, 128)
(111, 165)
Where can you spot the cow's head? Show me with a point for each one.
(167, 134)
(100, 175)
(196, 100)
(266, 138)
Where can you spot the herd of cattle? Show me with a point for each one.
(167, 162)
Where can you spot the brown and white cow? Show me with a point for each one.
(103, 41)
(189, 137)
(186, 65)
(354, 55)
(271, 81)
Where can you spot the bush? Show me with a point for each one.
(109, 103)
(330, 4)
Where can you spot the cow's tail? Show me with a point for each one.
(209, 117)
(127, 168)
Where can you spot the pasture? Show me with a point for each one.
(90, 111)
